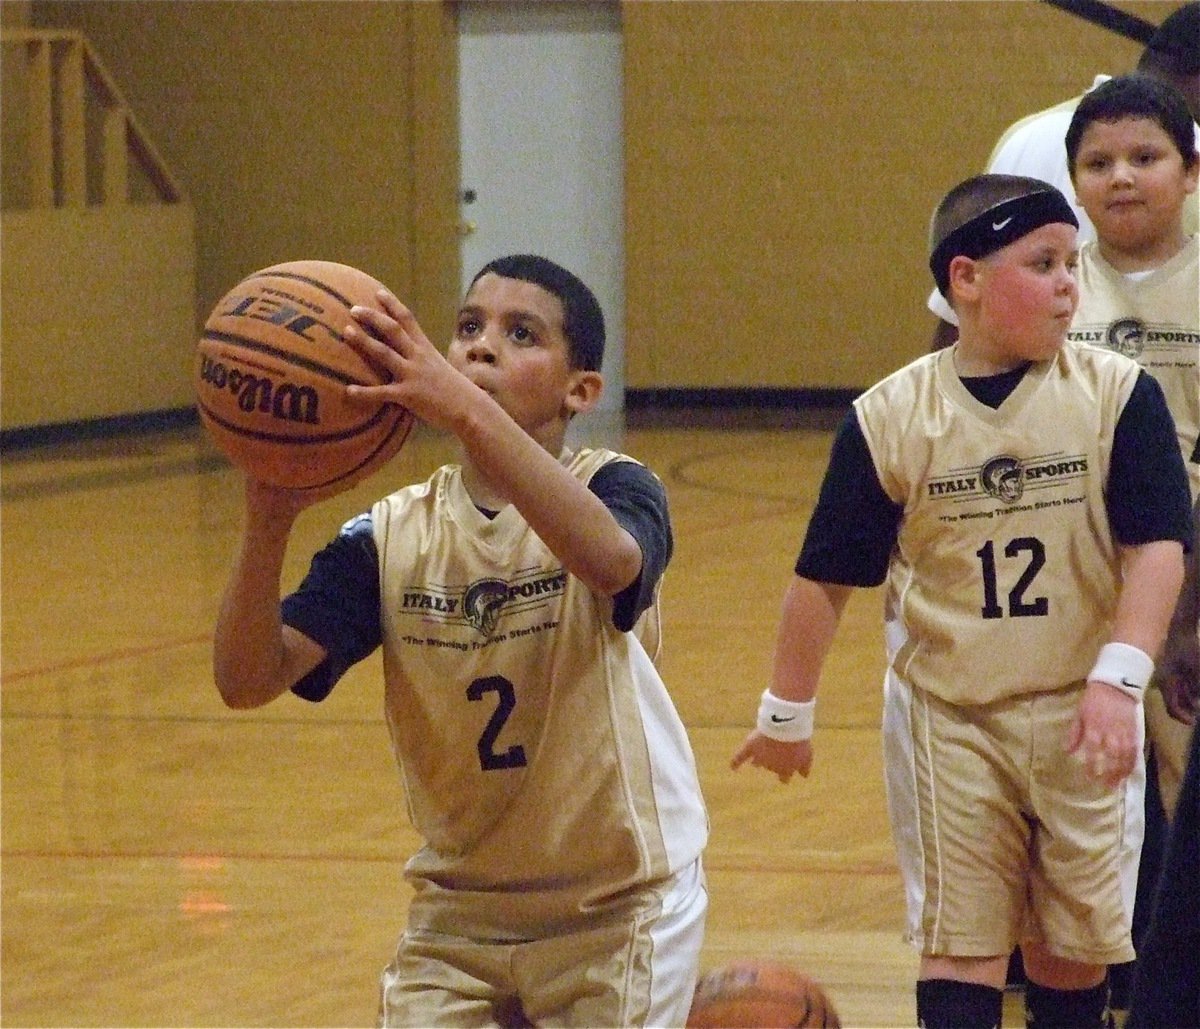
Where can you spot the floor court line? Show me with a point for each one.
(98, 660)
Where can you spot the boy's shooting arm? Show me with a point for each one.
(568, 517)
(255, 657)
(571, 520)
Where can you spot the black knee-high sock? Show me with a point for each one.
(1046, 1008)
(947, 1004)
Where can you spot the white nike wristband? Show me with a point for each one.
(785, 720)
(1124, 667)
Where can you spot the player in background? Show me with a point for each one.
(1033, 145)
(1026, 504)
(514, 596)
(1132, 153)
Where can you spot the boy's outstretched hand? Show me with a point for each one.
(784, 759)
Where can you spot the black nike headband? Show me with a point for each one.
(998, 226)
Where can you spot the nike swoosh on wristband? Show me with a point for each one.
(1131, 685)
(997, 226)
(776, 718)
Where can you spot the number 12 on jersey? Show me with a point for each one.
(1025, 557)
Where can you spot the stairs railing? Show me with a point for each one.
(82, 138)
(97, 268)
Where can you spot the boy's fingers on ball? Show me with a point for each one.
(379, 353)
(365, 395)
(373, 323)
(392, 304)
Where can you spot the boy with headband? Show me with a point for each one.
(1027, 507)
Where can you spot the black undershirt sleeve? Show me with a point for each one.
(337, 605)
(1147, 493)
(855, 524)
(638, 502)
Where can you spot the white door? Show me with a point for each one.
(542, 155)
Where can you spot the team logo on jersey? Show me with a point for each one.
(1007, 479)
(1126, 336)
(1003, 478)
(482, 602)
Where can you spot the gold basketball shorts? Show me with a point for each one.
(1000, 833)
(630, 971)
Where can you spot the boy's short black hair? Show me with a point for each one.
(1135, 96)
(583, 321)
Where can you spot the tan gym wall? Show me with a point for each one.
(782, 158)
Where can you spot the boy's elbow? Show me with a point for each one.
(611, 577)
(238, 701)
(242, 695)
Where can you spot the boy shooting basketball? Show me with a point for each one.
(514, 597)
(1026, 504)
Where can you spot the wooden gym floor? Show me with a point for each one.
(168, 862)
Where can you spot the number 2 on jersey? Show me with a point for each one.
(1018, 605)
(506, 699)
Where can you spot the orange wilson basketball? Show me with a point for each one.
(760, 995)
(271, 375)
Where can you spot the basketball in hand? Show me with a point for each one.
(271, 374)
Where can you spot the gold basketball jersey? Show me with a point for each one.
(1154, 320)
(541, 756)
(1004, 578)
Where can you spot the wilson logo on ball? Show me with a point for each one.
(285, 401)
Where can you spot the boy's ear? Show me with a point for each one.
(1193, 175)
(584, 392)
(964, 277)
